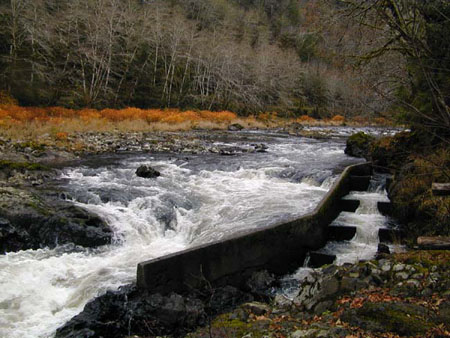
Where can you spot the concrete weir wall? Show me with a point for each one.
(280, 248)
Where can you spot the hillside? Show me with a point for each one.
(245, 56)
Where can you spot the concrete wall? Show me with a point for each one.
(279, 248)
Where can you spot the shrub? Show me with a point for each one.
(305, 118)
(6, 99)
(338, 118)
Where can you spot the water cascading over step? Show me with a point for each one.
(362, 225)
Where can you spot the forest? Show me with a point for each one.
(292, 57)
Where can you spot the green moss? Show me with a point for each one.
(427, 258)
(360, 139)
(404, 319)
(227, 326)
(22, 165)
(358, 144)
(30, 144)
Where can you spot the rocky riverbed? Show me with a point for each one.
(403, 295)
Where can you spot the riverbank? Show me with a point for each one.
(401, 295)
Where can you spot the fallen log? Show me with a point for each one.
(441, 189)
(434, 243)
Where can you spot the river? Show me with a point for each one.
(197, 199)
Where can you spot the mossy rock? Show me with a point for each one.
(10, 165)
(400, 318)
(358, 145)
(426, 258)
(227, 326)
(30, 144)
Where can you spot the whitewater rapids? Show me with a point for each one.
(196, 200)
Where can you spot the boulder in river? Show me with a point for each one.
(235, 127)
(146, 171)
(358, 145)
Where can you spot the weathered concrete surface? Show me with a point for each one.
(279, 248)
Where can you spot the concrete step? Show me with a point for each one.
(349, 205)
(359, 183)
(341, 233)
(318, 259)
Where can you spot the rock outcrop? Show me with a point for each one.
(34, 215)
(358, 145)
(30, 220)
(130, 311)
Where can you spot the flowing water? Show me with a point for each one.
(363, 246)
(197, 200)
(367, 220)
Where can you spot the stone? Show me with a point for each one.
(398, 267)
(386, 267)
(401, 318)
(130, 311)
(322, 307)
(235, 127)
(417, 276)
(353, 274)
(239, 314)
(376, 279)
(260, 148)
(402, 275)
(282, 301)
(146, 171)
(358, 145)
(304, 333)
(413, 283)
(258, 309)
(383, 249)
(337, 332)
(348, 284)
(329, 286)
(259, 282)
(32, 220)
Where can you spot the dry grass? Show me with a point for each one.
(19, 123)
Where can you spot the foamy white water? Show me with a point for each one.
(363, 246)
(195, 201)
(368, 221)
